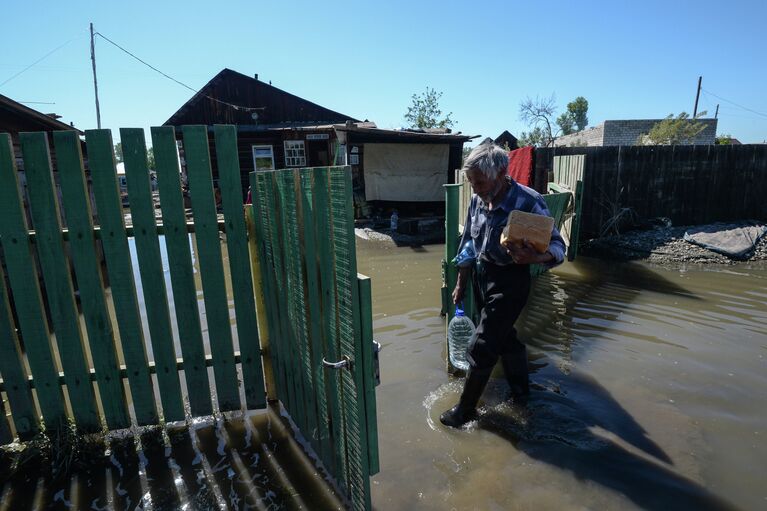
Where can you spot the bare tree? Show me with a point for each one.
(539, 113)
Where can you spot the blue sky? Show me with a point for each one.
(366, 59)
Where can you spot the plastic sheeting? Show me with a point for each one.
(734, 240)
(405, 172)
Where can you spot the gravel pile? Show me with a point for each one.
(663, 246)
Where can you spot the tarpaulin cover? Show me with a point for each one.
(405, 172)
(734, 240)
(521, 165)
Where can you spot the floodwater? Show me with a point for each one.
(649, 392)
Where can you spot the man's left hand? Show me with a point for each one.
(526, 254)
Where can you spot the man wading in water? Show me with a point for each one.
(501, 277)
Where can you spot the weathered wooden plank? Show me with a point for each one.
(58, 281)
(302, 408)
(12, 369)
(120, 270)
(151, 271)
(239, 266)
(211, 265)
(22, 275)
(298, 297)
(259, 293)
(314, 312)
(181, 270)
(276, 232)
(368, 370)
(349, 333)
(331, 352)
(44, 208)
(98, 325)
(261, 199)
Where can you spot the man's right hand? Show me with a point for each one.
(458, 294)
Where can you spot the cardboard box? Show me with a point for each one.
(536, 229)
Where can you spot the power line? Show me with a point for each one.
(236, 107)
(38, 60)
(734, 103)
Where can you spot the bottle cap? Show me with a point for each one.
(459, 311)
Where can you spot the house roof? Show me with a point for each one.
(234, 98)
(17, 117)
(431, 134)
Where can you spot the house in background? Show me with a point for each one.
(507, 139)
(16, 118)
(615, 133)
(391, 169)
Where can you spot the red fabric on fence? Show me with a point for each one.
(521, 165)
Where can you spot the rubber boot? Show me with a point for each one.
(466, 409)
(515, 367)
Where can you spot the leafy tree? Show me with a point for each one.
(724, 140)
(674, 131)
(566, 123)
(578, 110)
(424, 112)
(119, 152)
(538, 113)
(150, 158)
(575, 118)
(535, 137)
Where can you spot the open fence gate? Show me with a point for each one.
(314, 311)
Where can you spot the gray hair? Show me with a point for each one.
(488, 158)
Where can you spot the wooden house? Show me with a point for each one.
(16, 118)
(391, 168)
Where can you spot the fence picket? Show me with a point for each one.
(25, 287)
(211, 265)
(12, 368)
(230, 183)
(98, 325)
(310, 269)
(349, 332)
(181, 270)
(151, 271)
(120, 270)
(268, 277)
(334, 390)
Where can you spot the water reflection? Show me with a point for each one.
(249, 462)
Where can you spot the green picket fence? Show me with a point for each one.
(315, 308)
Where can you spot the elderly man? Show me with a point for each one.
(501, 278)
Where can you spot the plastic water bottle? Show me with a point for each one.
(459, 333)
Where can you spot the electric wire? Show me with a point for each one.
(733, 103)
(236, 107)
(38, 61)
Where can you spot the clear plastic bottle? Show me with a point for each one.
(459, 333)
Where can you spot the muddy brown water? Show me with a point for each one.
(649, 393)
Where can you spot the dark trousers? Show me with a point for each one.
(501, 294)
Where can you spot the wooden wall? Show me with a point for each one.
(688, 184)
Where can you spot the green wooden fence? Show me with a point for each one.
(305, 242)
(65, 357)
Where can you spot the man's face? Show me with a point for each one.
(486, 188)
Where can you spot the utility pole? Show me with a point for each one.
(95, 83)
(695, 110)
(716, 115)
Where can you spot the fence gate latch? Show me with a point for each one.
(376, 364)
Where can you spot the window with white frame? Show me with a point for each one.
(263, 157)
(295, 153)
